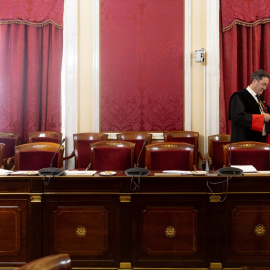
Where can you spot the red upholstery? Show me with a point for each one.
(248, 153)
(35, 156)
(37, 160)
(215, 150)
(45, 139)
(9, 146)
(113, 156)
(82, 147)
(169, 156)
(217, 155)
(138, 138)
(10, 140)
(191, 137)
(260, 159)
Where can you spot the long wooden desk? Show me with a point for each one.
(169, 222)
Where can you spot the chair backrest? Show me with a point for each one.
(38, 155)
(82, 147)
(169, 156)
(191, 137)
(2, 149)
(45, 136)
(215, 150)
(247, 153)
(137, 137)
(10, 140)
(112, 155)
(52, 262)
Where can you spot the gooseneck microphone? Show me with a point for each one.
(137, 170)
(230, 170)
(52, 171)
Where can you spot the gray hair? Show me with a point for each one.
(258, 75)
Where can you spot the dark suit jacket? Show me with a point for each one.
(241, 107)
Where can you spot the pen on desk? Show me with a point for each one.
(88, 167)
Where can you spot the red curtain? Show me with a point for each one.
(244, 47)
(31, 34)
(141, 74)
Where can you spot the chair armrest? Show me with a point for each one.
(210, 162)
(202, 159)
(9, 163)
(70, 156)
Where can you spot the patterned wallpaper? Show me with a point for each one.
(141, 65)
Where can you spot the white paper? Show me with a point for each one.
(245, 168)
(5, 172)
(178, 172)
(77, 172)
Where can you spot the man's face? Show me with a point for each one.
(259, 86)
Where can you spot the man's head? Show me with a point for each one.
(259, 81)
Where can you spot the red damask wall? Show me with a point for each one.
(141, 75)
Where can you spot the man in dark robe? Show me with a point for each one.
(248, 114)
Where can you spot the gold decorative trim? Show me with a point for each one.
(125, 265)
(259, 230)
(40, 24)
(215, 265)
(125, 199)
(247, 145)
(35, 199)
(81, 231)
(170, 232)
(169, 145)
(214, 199)
(245, 24)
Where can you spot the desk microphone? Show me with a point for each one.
(230, 170)
(52, 171)
(138, 171)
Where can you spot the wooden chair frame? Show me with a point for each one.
(44, 134)
(112, 144)
(38, 146)
(242, 145)
(91, 136)
(184, 134)
(218, 137)
(169, 146)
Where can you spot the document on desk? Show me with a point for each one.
(5, 172)
(77, 172)
(246, 168)
(177, 172)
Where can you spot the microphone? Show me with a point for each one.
(230, 170)
(138, 171)
(52, 170)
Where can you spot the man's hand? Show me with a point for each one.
(266, 117)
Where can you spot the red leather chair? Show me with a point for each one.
(215, 150)
(247, 153)
(82, 147)
(52, 262)
(10, 140)
(190, 137)
(169, 156)
(35, 156)
(45, 136)
(137, 137)
(112, 155)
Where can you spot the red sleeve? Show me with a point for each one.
(257, 122)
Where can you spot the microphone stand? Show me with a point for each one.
(52, 171)
(230, 170)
